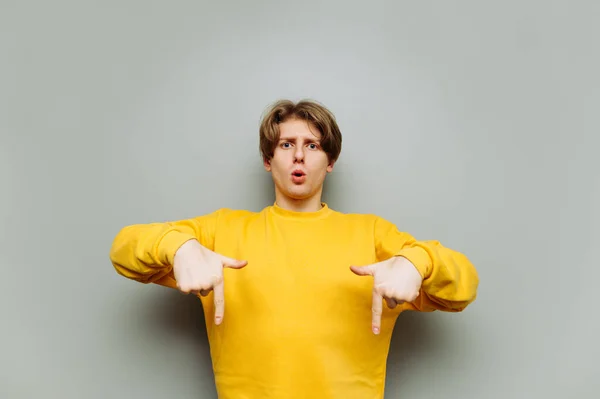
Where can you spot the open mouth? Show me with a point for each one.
(298, 177)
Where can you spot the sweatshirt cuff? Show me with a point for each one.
(169, 245)
(419, 258)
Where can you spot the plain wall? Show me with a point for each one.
(471, 122)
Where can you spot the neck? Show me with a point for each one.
(311, 204)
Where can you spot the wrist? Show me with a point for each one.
(419, 258)
(171, 244)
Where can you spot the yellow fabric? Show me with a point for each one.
(297, 321)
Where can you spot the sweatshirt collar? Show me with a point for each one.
(321, 213)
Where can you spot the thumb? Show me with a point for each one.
(368, 270)
(233, 263)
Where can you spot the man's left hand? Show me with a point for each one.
(396, 280)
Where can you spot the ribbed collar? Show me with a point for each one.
(321, 213)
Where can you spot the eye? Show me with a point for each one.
(313, 146)
(286, 144)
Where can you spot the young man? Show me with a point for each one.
(300, 300)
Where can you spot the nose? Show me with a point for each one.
(299, 155)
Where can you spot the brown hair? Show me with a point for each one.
(308, 110)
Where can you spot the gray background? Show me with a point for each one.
(470, 122)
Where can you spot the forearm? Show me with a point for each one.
(145, 252)
(450, 280)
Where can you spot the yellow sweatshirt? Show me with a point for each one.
(297, 321)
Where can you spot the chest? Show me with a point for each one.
(293, 258)
(307, 270)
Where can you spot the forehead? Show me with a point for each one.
(298, 129)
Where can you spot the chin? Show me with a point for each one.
(298, 195)
(298, 192)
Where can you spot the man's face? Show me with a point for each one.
(299, 164)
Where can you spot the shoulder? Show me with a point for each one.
(229, 214)
(378, 223)
(370, 219)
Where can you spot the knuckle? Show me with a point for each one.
(184, 288)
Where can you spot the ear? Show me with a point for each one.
(330, 166)
(267, 164)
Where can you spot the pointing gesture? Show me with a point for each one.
(200, 270)
(396, 280)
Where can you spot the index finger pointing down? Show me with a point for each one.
(219, 301)
(377, 309)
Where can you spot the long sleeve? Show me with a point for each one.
(450, 280)
(145, 252)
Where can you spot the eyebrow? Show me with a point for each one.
(310, 140)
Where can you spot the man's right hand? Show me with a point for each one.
(200, 270)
